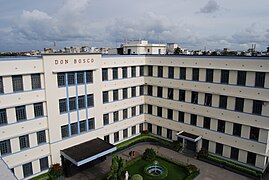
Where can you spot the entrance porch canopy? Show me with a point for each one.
(88, 151)
(188, 136)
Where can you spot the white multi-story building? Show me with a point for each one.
(53, 103)
(143, 47)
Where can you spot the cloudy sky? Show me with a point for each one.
(194, 24)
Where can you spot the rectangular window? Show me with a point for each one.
(169, 134)
(80, 77)
(171, 72)
(27, 169)
(134, 111)
(141, 128)
(194, 97)
(38, 110)
(36, 81)
(3, 117)
(170, 94)
(193, 119)
(160, 71)
(1, 85)
(159, 111)
(133, 71)
(71, 78)
(181, 116)
(181, 95)
(149, 109)
(221, 126)
(209, 75)
(205, 144)
(104, 74)
(207, 122)
(159, 130)
(141, 70)
(125, 113)
(170, 114)
(195, 74)
(81, 102)
(251, 158)
(239, 104)
(141, 109)
(257, 107)
(234, 153)
(159, 92)
(91, 123)
(133, 130)
(141, 90)
(17, 82)
(116, 116)
(62, 105)
(125, 133)
(44, 163)
(149, 90)
(20, 113)
(219, 149)
(105, 119)
(89, 76)
(124, 93)
(72, 103)
(134, 91)
(116, 137)
(106, 138)
(241, 78)
(259, 79)
(5, 147)
(61, 79)
(124, 72)
(64, 131)
(254, 133)
(150, 127)
(105, 97)
(82, 126)
(223, 102)
(115, 73)
(90, 100)
(237, 129)
(208, 99)
(115, 95)
(224, 79)
(74, 128)
(41, 137)
(182, 74)
(24, 142)
(150, 70)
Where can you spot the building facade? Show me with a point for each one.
(57, 101)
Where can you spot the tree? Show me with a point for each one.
(117, 168)
(149, 154)
(177, 50)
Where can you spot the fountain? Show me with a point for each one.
(156, 170)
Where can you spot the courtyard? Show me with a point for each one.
(207, 171)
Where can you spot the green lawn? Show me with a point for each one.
(175, 172)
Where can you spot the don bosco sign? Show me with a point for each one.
(73, 61)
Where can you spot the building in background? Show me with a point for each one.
(52, 103)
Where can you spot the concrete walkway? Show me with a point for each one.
(207, 171)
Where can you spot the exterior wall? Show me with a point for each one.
(52, 120)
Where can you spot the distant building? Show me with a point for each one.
(170, 48)
(143, 47)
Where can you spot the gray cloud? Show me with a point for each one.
(210, 7)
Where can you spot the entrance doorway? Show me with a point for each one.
(190, 145)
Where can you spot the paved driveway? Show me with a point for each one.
(207, 171)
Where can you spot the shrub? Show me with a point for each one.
(137, 177)
(203, 153)
(55, 171)
(177, 146)
(191, 168)
(149, 154)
